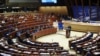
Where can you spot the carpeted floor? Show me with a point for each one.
(61, 39)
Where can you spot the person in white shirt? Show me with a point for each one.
(3, 21)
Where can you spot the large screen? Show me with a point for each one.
(49, 1)
(84, 13)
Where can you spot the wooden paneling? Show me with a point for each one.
(53, 9)
(44, 32)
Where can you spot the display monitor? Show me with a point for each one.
(49, 1)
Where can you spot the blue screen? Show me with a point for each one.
(49, 1)
(78, 13)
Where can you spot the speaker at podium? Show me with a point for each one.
(68, 31)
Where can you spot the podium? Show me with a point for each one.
(68, 30)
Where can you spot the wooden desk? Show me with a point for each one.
(83, 27)
(44, 32)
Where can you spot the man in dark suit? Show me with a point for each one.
(68, 30)
(88, 53)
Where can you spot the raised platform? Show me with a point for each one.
(83, 27)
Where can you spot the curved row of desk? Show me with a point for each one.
(44, 32)
(83, 27)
